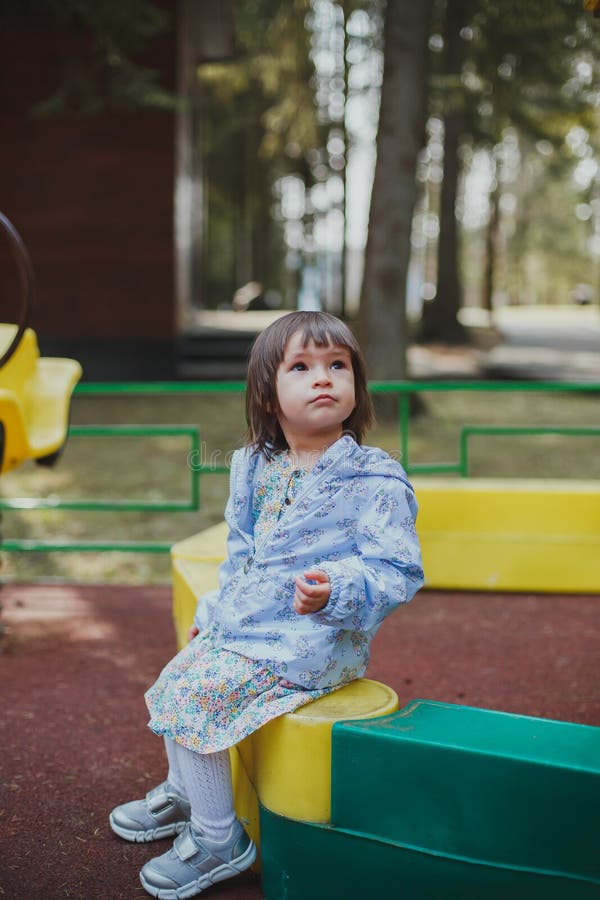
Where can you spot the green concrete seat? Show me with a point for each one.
(445, 802)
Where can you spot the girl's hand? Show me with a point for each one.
(310, 598)
(194, 630)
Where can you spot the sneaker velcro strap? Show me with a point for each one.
(185, 846)
(159, 802)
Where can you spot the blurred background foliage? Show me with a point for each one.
(477, 187)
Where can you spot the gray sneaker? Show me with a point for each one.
(194, 863)
(163, 813)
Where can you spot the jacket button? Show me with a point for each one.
(247, 564)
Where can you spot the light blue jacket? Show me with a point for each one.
(354, 518)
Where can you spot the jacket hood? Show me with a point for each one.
(352, 459)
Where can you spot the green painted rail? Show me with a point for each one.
(404, 390)
(121, 431)
(13, 545)
(468, 431)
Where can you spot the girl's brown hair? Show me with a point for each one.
(264, 431)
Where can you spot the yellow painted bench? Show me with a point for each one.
(499, 535)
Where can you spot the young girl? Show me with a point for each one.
(321, 547)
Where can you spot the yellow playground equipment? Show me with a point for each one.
(35, 392)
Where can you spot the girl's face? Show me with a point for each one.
(315, 391)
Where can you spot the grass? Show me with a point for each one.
(156, 469)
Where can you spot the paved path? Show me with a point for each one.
(542, 343)
(546, 343)
(75, 661)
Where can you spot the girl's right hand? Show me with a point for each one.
(194, 630)
(313, 590)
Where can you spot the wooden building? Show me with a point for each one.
(92, 197)
(107, 205)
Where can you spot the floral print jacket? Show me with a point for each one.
(353, 518)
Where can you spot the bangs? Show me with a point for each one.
(324, 333)
(322, 329)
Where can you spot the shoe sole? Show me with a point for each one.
(192, 888)
(137, 836)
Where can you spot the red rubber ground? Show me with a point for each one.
(75, 661)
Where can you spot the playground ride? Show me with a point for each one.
(444, 801)
(35, 392)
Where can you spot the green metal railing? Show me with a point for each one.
(120, 431)
(404, 390)
(467, 431)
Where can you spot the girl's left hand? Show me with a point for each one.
(310, 598)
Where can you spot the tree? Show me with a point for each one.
(506, 66)
(533, 60)
(400, 137)
(440, 318)
(255, 125)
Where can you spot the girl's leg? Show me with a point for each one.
(163, 812)
(206, 781)
(214, 846)
(174, 777)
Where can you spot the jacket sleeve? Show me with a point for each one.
(385, 568)
(238, 543)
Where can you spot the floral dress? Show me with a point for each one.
(209, 698)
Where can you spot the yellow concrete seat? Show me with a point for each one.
(494, 534)
(35, 395)
(286, 765)
(194, 565)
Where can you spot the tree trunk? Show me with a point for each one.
(491, 243)
(440, 321)
(400, 137)
(344, 125)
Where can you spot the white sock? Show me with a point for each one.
(174, 775)
(207, 781)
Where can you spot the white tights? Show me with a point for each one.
(204, 779)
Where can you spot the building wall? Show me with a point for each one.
(92, 197)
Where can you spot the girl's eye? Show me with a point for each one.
(298, 367)
(338, 364)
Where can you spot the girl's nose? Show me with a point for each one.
(322, 376)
